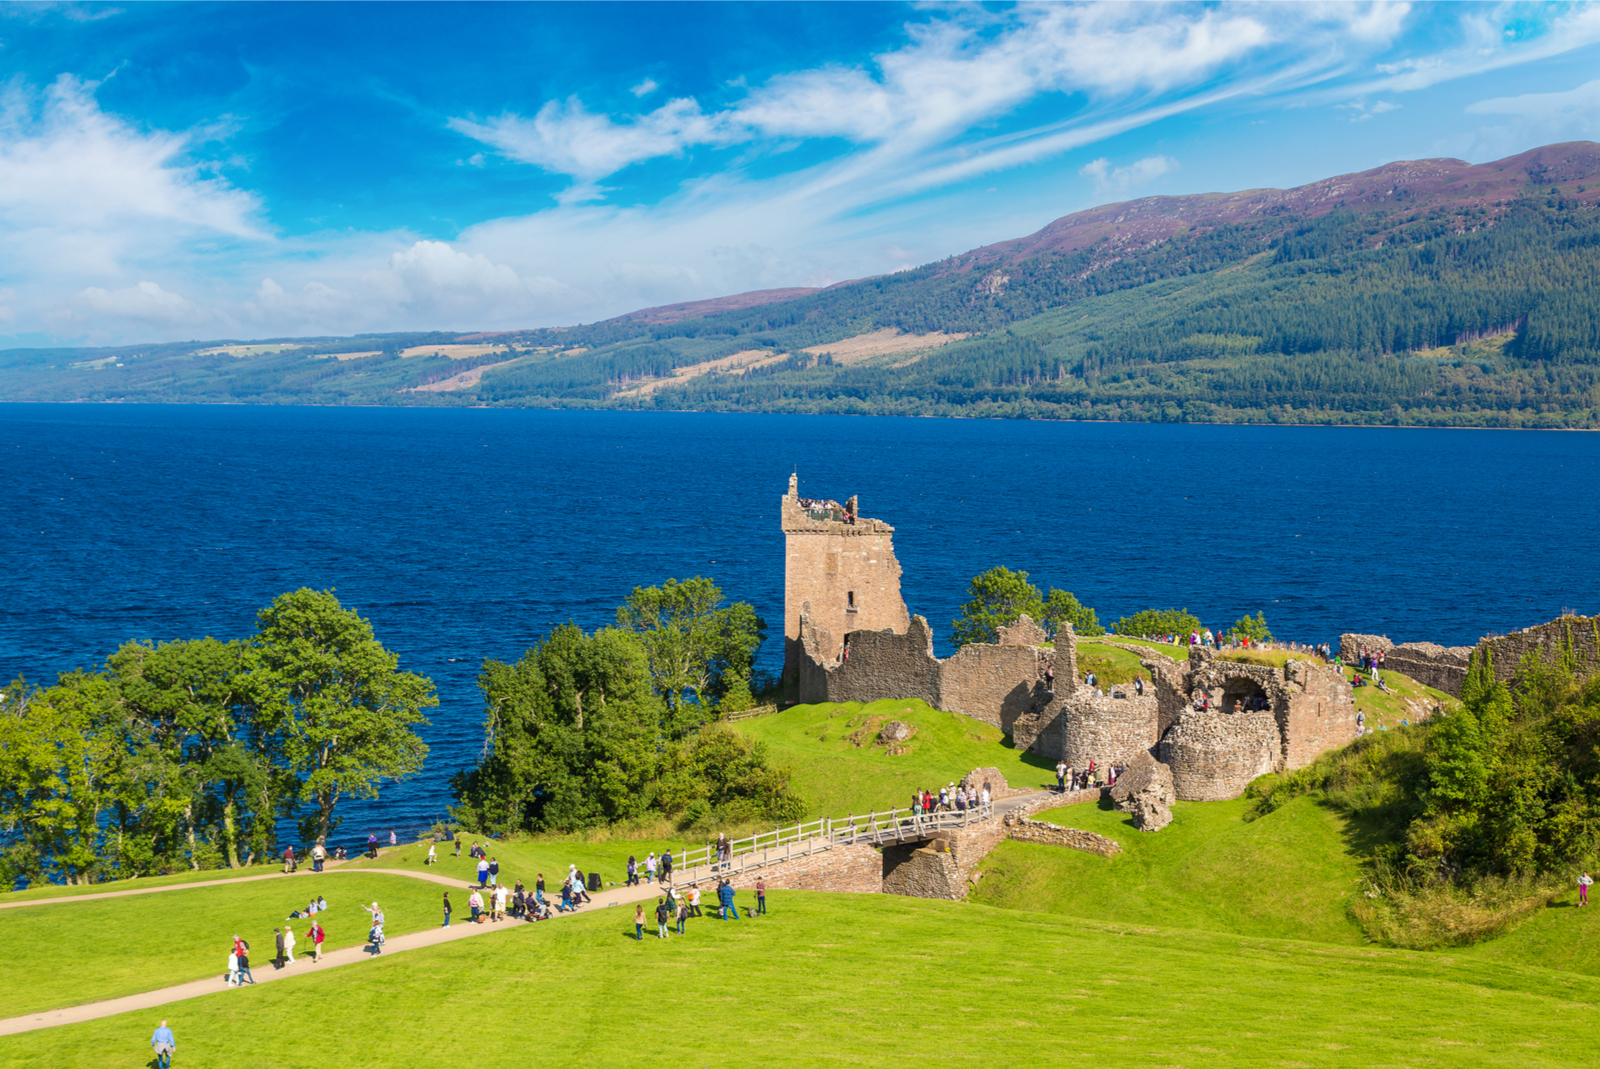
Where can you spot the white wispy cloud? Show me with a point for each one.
(110, 230)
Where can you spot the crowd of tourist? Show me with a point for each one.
(1094, 776)
(951, 799)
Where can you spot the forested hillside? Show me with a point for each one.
(1433, 293)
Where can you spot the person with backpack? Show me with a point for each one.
(683, 913)
(666, 866)
(662, 913)
(242, 949)
(319, 854)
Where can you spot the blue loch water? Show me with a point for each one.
(466, 534)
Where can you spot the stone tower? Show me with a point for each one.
(840, 571)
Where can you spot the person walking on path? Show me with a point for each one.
(761, 897)
(500, 894)
(650, 868)
(277, 961)
(475, 903)
(633, 871)
(288, 944)
(666, 866)
(242, 950)
(288, 859)
(483, 872)
(165, 1044)
(1584, 882)
(661, 918)
(1061, 776)
(233, 967)
(638, 922)
(319, 854)
(446, 909)
(317, 935)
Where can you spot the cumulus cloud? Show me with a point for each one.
(1117, 182)
(145, 303)
(1537, 118)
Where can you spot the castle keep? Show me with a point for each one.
(1216, 723)
(840, 572)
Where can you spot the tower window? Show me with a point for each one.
(850, 601)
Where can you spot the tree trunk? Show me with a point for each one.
(228, 831)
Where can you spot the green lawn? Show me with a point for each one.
(1409, 700)
(870, 980)
(1177, 653)
(1560, 936)
(523, 857)
(838, 776)
(1286, 875)
(51, 890)
(63, 955)
(1108, 663)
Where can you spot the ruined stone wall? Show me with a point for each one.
(1043, 730)
(995, 684)
(1214, 755)
(857, 868)
(1057, 801)
(1037, 831)
(881, 665)
(1432, 665)
(1319, 715)
(1108, 729)
(1567, 639)
(846, 572)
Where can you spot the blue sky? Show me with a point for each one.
(254, 170)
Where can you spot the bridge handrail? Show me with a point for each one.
(824, 833)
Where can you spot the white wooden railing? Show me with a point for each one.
(810, 837)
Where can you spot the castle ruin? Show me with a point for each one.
(1216, 723)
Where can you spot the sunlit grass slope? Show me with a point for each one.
(1286, 875)
(1559, 936)
(51, 890)
(839, 770)
(868, 980)
(76, 952)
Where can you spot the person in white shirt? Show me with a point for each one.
(499, 902)
(288, 944)
(650, 867)
(433, 857)
(233, 968)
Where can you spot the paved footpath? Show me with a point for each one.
(303, 966)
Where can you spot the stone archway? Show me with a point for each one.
(1247, 692)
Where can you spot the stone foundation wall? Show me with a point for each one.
(1432, 665)
(1351, 645)
(1037, 831)
(1057, 801)
(1320, 712)
(856, 868)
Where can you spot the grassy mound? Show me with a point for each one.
(830, 980)
(1287, 875)
(76, 952)
(840, 769)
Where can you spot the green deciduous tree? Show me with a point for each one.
(335, 701)
(1150, 623)
(1253, 628)
(1063, 607)
(695, 645)
(995, 599)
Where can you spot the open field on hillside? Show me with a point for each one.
(1287, 875)
(249, 350)
(870, 980)
(744, 360)
(838, 771)
(885, 342)
(75, 952)
(452, 352)
(524, 857)
(52, 890)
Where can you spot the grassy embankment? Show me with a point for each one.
(839, 769)
(67, 954)
(1287, 875)
(855, 980)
